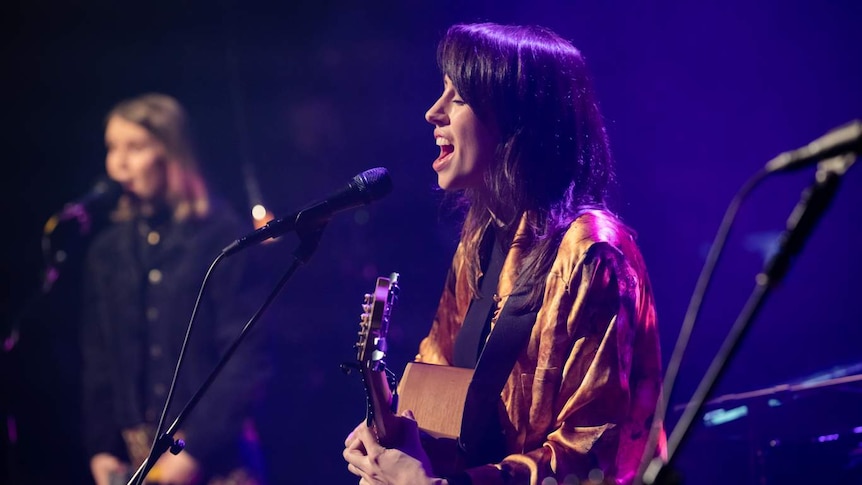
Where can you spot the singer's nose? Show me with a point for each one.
(435, 114)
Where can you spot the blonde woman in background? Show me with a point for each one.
(142, 276)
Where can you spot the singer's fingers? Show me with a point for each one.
(353, 434)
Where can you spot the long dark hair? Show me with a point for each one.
(553, 160)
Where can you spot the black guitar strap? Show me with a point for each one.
(477, 322)
(481, 438)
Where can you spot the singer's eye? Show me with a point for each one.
(136, 147)
(459, 102)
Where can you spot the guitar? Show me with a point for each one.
(436, 394)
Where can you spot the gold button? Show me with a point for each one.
(155, 276)
(159, 389)
(155, 351)
(153, 238)
(152, 314)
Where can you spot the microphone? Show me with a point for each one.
(367, 187)
(838, 141)
(105, 192)
(102, 195)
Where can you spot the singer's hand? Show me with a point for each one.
(404, 464)
(104, 465)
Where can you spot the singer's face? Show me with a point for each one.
(466, 144)
(135, 159)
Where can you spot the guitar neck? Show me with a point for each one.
(436, 395)
(380, 406)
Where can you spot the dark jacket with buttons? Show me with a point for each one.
(142, 278)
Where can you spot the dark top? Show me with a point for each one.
(142, 278)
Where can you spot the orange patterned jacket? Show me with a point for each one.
(581, 396)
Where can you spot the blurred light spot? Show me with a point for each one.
(51, 224)
(857, 429)
(260, 217)
(596, 475)
(258, 212)
(721, 416)
(249, 432)
(51, 276)
(12, 429)
(827, 437)
(774, 443)
(549, 481)
(10, 341)
(773, 403)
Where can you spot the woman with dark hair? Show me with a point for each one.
(142, 276)
(523, 144)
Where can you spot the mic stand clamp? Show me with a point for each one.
(813, 203)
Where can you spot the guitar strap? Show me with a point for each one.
(477, 322)
(481, 438)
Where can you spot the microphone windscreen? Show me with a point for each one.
(373, 184)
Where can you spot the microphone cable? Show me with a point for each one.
(301, 255)
(170, 393)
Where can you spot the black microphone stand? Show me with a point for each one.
(54, 256)
(813, 203)
(309, 239)
(64, 239)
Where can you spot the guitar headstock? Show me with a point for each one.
(374, 322)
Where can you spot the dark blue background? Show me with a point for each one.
(697, 97)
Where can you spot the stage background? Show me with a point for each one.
(697, 96)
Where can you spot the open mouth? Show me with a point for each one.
(446, 150)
